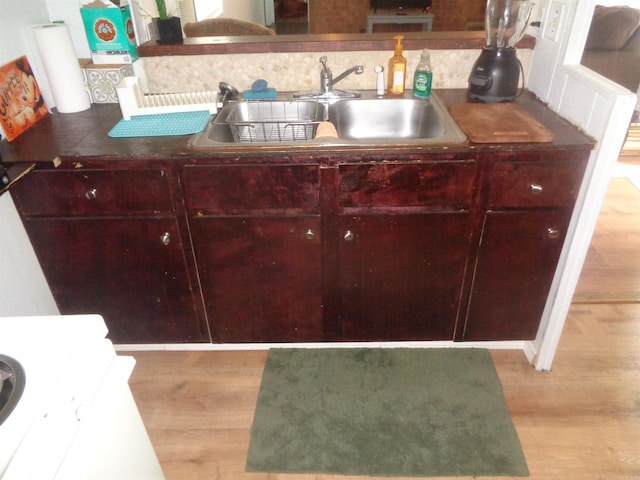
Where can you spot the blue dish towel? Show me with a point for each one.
(265, 94)
(163, 124)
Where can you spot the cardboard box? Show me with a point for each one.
(102, 81)
(110, 32)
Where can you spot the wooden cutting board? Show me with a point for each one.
(498, 123)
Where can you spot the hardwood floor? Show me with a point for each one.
(580, 421)
(632, 144)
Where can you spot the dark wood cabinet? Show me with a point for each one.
(307, 242)
(403, 241)
(515, 267)
(129, 270)
(386, 248)
(256, 234)
(458, 247)
(109, 243)
(401, 275)
(523, 231)
(261, 277)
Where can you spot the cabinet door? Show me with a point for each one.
(132, 271)
(260, 277)
(401, 275)
(516, 262)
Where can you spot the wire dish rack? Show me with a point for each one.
(274, 121)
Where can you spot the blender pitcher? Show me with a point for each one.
(505, 21)
(496, 74)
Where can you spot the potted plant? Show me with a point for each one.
(168, 27)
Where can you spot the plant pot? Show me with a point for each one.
(169, 30)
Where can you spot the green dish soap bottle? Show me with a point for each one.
(423, 77)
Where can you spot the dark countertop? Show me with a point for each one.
(74, 136)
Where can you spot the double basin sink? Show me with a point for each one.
(353, 121)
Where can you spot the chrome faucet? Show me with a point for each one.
(326, 77)
(327, 82)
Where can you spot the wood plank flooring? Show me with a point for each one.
(632, 143)
(611, 273)
(580, 421)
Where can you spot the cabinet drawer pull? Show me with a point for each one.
(535, 188)
(308, 235)
(165, 238)
(91, 194)
(553, 232)
(349, 236)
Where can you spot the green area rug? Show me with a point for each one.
(383, 412)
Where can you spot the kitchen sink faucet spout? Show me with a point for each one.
(326, 77)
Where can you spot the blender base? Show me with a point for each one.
(495, 75)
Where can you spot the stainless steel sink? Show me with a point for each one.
(386, 118)
(365, 120)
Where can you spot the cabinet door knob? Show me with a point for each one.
(91, 193)
(553, 232)
(349, 236)
(535, 188)
(165, 238)
(308, 235)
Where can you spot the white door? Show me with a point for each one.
(269, 13)
(601, 108)
(249, 10)
(208, 8)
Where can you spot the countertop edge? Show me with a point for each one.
(83, 136)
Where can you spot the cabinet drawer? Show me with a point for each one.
(93, 192)
(448, 184)
(240, 189)
(535, 184)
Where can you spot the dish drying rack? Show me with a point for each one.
(133, 102)
(275, 121)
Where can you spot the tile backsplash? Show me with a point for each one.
(300, 71)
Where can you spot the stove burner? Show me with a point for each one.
(12, 381)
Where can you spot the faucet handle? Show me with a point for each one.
(325, 75)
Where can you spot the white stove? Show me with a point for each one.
(76, 418)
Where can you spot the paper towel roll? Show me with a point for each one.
(61, 67)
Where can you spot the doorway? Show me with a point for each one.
(291, 17)
(613, 50)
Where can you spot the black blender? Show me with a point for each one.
(495, 75)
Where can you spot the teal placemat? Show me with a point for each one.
(181, 123)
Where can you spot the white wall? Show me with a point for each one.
(68, 11)
(603, 109)
(14, 15)
(23, 289)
